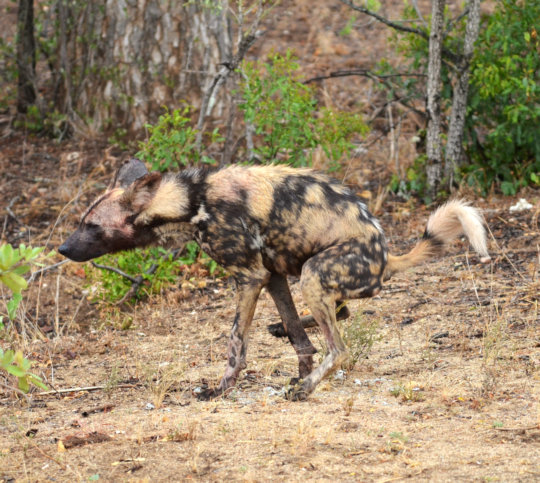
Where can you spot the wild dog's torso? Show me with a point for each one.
(278, 217)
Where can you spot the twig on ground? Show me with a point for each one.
(519, 430)
(82, 389)
(48, 456)
(46, 269)
(118, 271)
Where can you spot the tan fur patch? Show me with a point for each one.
(116, 193)
(323, 226)
(256, 183)
(314, 194)
(171, 201)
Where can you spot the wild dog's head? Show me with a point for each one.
(124, 216)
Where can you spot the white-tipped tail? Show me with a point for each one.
(456, 218)
(449, 221)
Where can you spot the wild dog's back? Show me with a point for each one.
(285, 214)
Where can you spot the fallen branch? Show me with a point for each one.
(520, 430)
(118, 271)
(45, 454)
(46, 269)
(83, 389)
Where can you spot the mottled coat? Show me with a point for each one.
(263, 223)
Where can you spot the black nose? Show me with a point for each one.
(63, 249)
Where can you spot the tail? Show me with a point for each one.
(449, 221)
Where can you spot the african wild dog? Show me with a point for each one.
(262, 223)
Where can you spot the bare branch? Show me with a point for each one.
(82, 389)
(361, 72)
(379, 78)
(46, 269)
(419, 13)
(390, 23)
(116, 270)
(402, 28)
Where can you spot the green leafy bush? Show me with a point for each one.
(172, 142)
(14, 262)
(114, 286)
(17, 365)
(501, 126)
(284, 113)
(505, 98)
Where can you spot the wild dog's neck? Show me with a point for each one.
(194, 181)
(176, 200)
(175, 204)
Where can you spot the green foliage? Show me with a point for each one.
(114, 286)
(415, 181)
(17, 365)
(501, 127)
(172, 142)
(14, 262)
(506, 97)
(193, 254)
(284, 114)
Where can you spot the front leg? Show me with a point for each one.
(248, 290)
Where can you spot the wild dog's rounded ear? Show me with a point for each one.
(130, 171)
(143, 190)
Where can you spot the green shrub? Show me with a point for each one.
(505, 98)
(172, 142)
(14, 262)
(17, 365)
(359, 334)
(284, 113)
(114, 286)
(501, 127)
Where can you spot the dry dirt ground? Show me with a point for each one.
(449, 392)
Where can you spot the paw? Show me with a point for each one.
(205, 395)
(299, 390)
(277, 330)
(209, 393)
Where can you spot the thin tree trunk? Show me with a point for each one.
(26, 55)
(454, 145)
(433, 141)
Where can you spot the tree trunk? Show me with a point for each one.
(26, 56)
(433, 138)
(454, 144)
(122, 61)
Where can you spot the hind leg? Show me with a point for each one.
(293, 328)
(348, 270)
(308, 321)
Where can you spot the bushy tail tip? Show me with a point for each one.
(449, 221)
